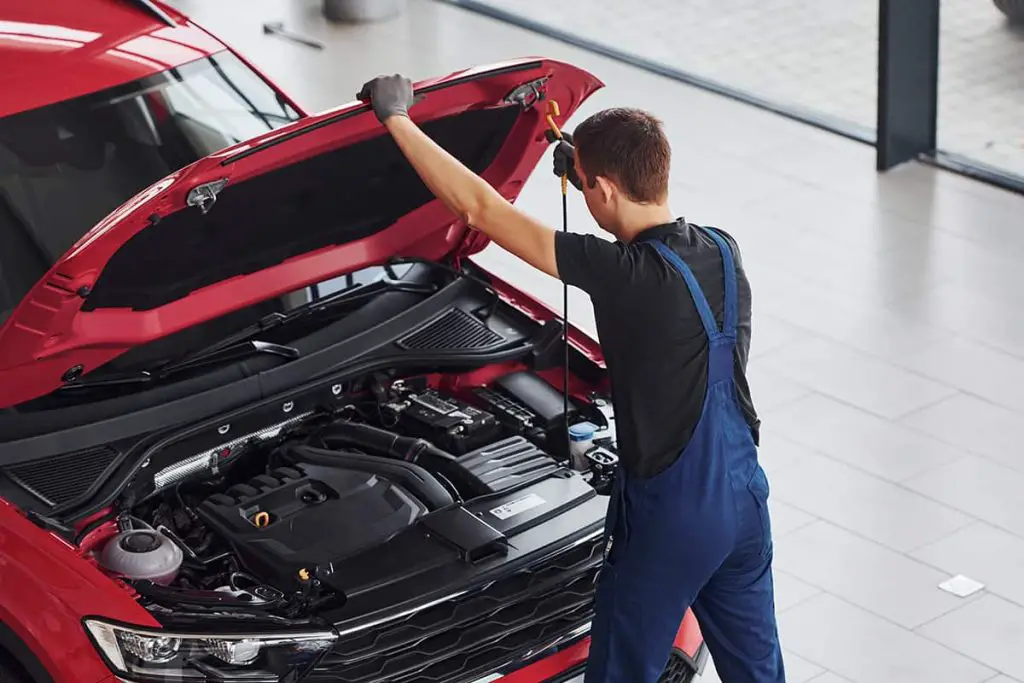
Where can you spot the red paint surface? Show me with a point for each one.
(55, 50)
(48, 589)
(48, 333)
(689, 639)
(550, 667)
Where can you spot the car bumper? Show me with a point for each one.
(565, 666)
(568, 664)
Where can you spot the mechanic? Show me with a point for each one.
(688, 520)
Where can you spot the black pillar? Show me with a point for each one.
(908, 80)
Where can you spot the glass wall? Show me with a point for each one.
(818, 60)
(981, 84)
(814, 56)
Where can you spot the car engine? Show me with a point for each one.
(405, 485)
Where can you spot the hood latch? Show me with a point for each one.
(527, 94)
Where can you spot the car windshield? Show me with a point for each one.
(65, 166)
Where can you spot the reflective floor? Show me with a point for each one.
(888, 346)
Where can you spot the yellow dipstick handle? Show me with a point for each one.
(554, 111)
(261, 519)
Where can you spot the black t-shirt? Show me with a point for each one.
(654, 344)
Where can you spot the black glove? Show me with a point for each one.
(389, 96)
(564, 156)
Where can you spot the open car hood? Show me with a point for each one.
(321, 197)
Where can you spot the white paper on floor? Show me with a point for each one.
(961, 586)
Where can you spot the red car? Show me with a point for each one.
(261, 416)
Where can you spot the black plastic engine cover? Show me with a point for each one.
(428, 556)
(305, 516)
(509, 463)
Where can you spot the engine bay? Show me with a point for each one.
(409, 482)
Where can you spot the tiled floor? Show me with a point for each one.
(820, 56)
(888, 348)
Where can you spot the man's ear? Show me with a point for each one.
(606, 187)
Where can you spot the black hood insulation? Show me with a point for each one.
(331, 199)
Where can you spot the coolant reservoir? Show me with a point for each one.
(142, 554)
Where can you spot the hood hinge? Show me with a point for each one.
(205, 196)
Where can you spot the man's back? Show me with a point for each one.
(653, 340)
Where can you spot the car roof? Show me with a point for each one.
(56, 50)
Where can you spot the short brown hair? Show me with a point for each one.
(629, 147)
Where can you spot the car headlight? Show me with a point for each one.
(151, 655)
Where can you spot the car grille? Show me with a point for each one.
(474, 634)
(678, 670)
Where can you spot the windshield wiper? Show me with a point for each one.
(275, 320)
(236, 351)
(241, 344)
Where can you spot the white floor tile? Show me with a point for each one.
(859, 438)
(828, 630)
(855, 378)
(866, 574)
(977, 425)
(990, 630)
(979, 487)
(983, 552)
(866, 505)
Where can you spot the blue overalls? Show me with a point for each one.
(697, 534)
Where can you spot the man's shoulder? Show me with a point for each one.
(731, 241)
(721, 232)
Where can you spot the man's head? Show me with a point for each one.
(623, 160)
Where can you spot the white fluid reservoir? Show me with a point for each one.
(142, 554)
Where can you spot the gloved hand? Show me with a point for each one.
(565, 155)
(389, 96)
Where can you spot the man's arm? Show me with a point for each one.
(473, 199)
(466, 194)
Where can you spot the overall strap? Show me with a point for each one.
(730, 319)
(707, 316)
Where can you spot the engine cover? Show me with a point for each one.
(297, 518)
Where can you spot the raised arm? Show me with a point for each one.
(466, 194)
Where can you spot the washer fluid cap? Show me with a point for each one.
(582, 431)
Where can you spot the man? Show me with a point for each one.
(688, 520)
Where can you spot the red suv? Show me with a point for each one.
(261, 416)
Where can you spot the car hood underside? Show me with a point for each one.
(326, 195)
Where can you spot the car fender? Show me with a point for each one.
(48, 588)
